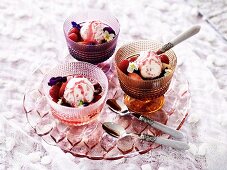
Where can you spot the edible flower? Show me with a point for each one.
(75, 25)
(80, 103)
(55, 80)
(167, 71)
(107, 36)
(60, 101)
(131, 67)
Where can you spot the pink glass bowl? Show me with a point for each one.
(92, 53)
(77, 116)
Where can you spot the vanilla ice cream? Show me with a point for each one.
(92, 31)
(78, 91)
(149, 64)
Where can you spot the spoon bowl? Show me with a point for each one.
(118, 107)
(113, 129)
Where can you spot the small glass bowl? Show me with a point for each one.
(92, 53)
(77, 116)
(146, 94)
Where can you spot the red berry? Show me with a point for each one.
(62, 89)
(74, 37)
(123, 65)
(54, 92)
(135, 76)
(132, 59)
(159, 52)
(74, 30)
(164, 58)
(96, 98)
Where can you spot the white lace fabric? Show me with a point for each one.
(31, 36)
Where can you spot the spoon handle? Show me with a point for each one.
(183, 36)
(167, 142)
(166, 129)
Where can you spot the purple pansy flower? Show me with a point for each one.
(55, 80)
(75, 25)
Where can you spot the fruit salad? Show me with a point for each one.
(146, 65)
(74, 91)
(91, 33)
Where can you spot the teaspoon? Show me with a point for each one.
(121, 109)
(118, 131)
(183, 36)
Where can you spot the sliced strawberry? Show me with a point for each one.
(74, 37)
(135, 76)
(74, 30)
(62, 89)
(123, 65)
(54, 92)
(164, 58)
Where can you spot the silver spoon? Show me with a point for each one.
(183, 36)
(121, 109)
(117, 131)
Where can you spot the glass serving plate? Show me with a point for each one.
(91, 140)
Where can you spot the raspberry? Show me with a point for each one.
(74, 37)
(135, 76)
(74, 30)
(54, 92)
(123, 65)
(164, 58)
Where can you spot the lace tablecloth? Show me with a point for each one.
(32, 35)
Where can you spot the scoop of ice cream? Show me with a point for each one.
(92, 31)
(78, 91)
(149, 64)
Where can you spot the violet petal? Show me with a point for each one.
(55, 80)
(75, 25)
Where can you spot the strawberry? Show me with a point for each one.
(135, 76)
(132, 59)
(123, 65)
(74, 37)
(62, 89)
(98, 88)
(54, 92)
(164, 59)
(96, 98)
(74, 30)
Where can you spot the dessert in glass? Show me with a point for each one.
(76, 92)
(144, 76)
(91, 35)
